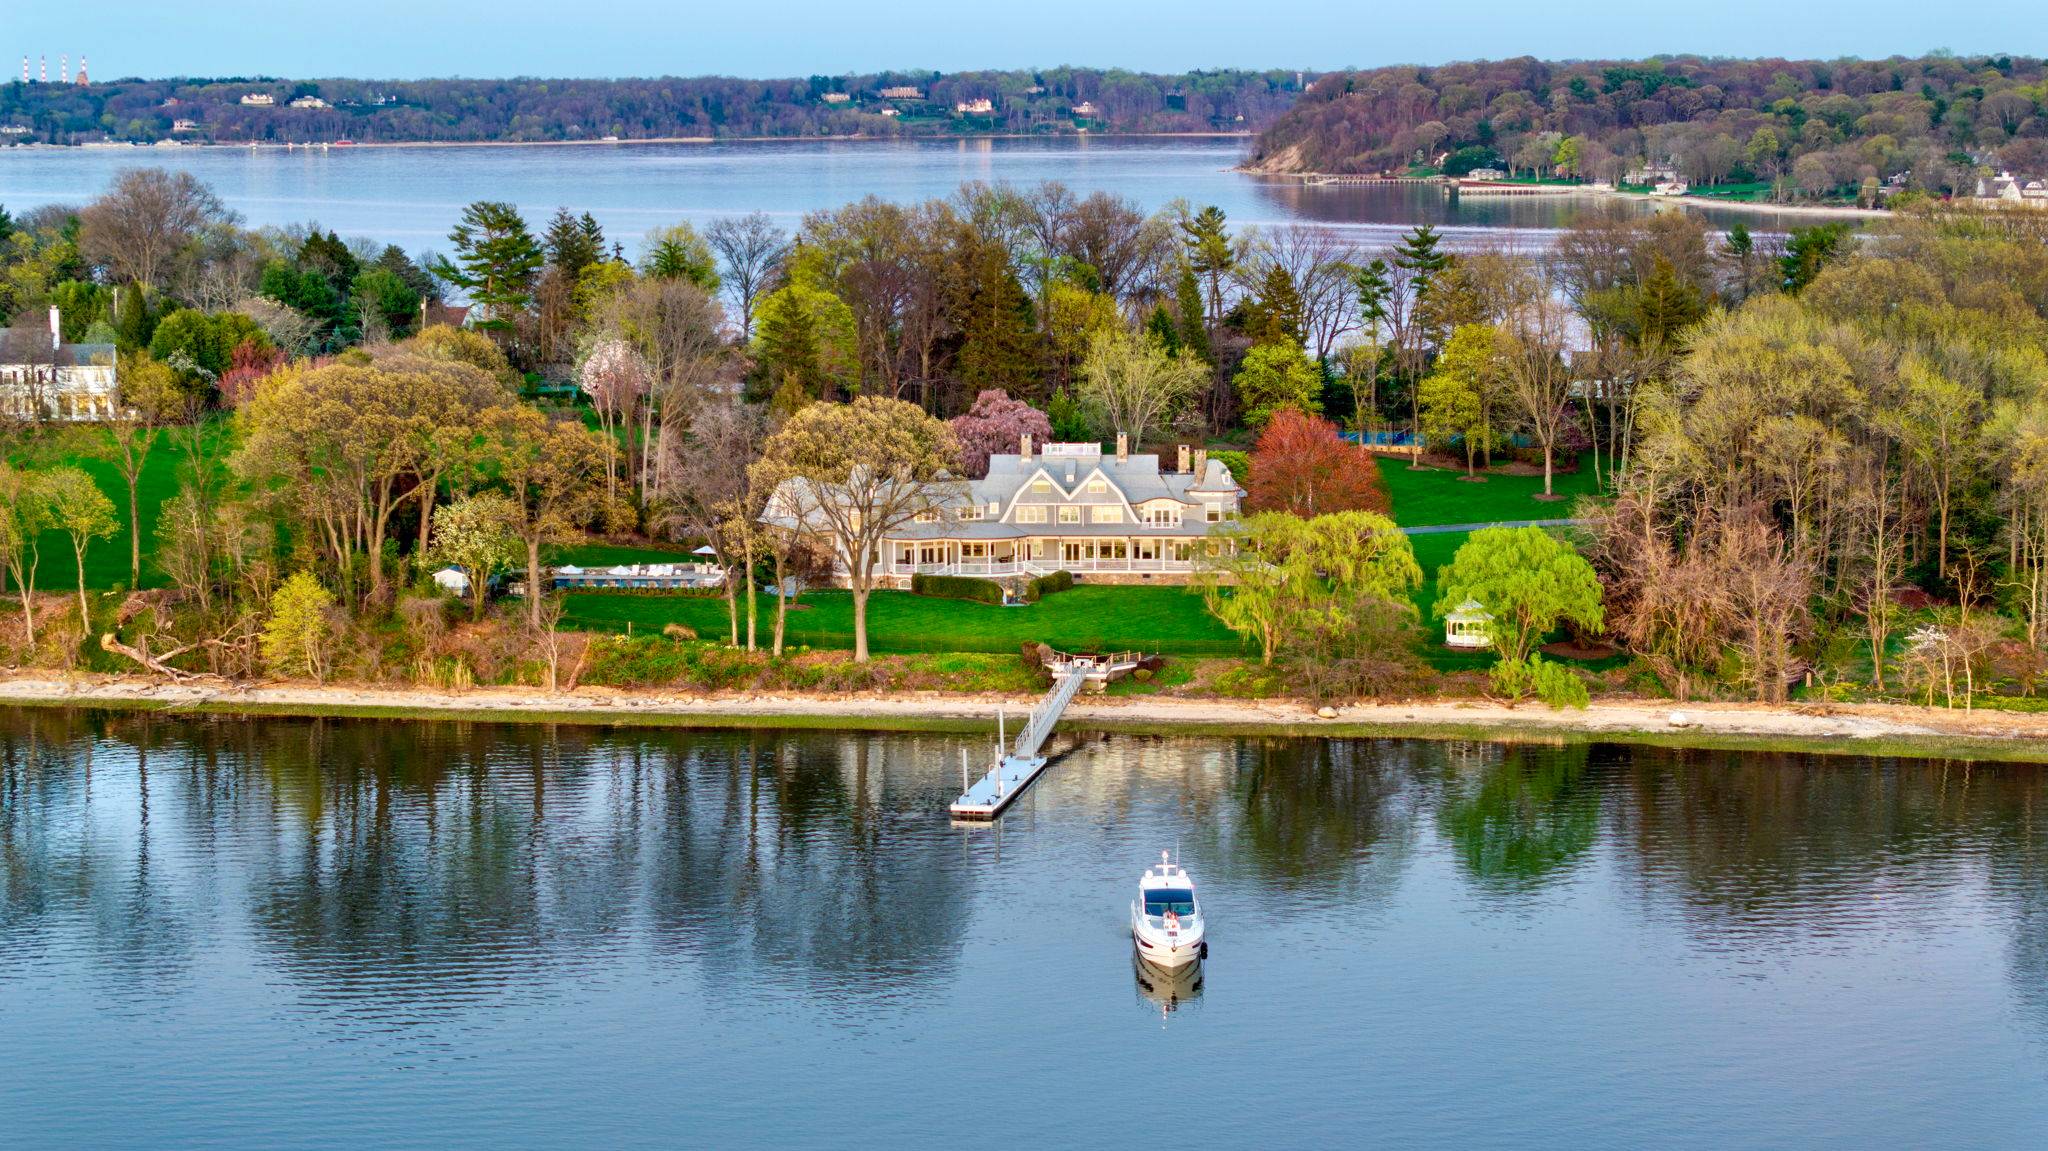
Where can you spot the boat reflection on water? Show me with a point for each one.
(1167, 990)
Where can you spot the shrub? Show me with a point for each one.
(957, 587)
(1552, 683)
(1045, 585)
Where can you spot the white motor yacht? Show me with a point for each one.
(1166, 919)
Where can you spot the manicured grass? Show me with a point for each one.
(1441, 496)
(106, 560)
(1163, 619)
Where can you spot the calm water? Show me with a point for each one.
(412, 196)
(301, 934)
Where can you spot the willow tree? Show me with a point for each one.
(1280, 579)
(853, 474)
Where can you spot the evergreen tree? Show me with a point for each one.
(1162, 328)
(1194, 327)
(496, 261)
(1209, 253)
(1666, 305)
(134, 323)
(573, 244)
(1275, 317)
(992, 313)
(1808, 250)
(1418, 253)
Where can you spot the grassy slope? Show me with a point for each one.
(1435, 496)
(1168, 619)
(106, 560)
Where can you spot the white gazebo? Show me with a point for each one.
(453, 580)
(1468, 626)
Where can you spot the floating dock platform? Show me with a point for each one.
(993, 792)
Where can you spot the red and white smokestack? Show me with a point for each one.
(81, 68)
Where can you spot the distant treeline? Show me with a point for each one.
(1811, 127)
(233, 110)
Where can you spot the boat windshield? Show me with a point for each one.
(1161, 900)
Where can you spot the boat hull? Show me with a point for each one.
(1168, 952)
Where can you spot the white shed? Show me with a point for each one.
(1467, 626)
(453, 580)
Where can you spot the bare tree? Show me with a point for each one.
(750, 248)
(145, 221)
(675, 326)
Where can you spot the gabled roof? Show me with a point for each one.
(32, 346)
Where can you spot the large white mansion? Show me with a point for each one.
(1106, 518)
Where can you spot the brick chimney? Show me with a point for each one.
(1201, 463)
(56, 329)
(1024, 449)
(1123, 447)
(1183, 458)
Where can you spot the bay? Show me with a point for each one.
(314, 933)
(412, 196)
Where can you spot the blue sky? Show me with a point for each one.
(412, 38)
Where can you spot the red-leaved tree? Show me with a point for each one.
(247, 364)
(996, 424)
(1300, 465)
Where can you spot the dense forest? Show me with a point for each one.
(919, 103)
(1805, 127)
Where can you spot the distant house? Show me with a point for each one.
(309, 102)
(975, 108)
(890, 112)
(15, 129)
(835, 97)
(1085, 109)
(1650, 174)
(901, 92)
(2005, 188)
(43, 377)
(1118, 518)
(184, 125)
(258, 100)
(1486, 174)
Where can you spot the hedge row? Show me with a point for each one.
(1046, 585)
(957, 587)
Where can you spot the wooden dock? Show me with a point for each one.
(1019, 766)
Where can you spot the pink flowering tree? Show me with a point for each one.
(996, 423)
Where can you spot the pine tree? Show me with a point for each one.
(1418, 253)
(496, 260)
(1275, 317)
(1160, 324)
(1194, 327)
(1209, 252)
(573, 244)
(998, 348)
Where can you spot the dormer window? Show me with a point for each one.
(929, 516)
(968, 515)
(1041, 487)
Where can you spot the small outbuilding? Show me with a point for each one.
(1468, 627)
(453, 580)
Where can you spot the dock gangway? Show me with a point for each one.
(1020, 764)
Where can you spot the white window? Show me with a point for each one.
(930, 516)
(970, 514)
(1031, 513)
(1041, 487)
(1070, 515)
(1109, 514)
(1097, 487)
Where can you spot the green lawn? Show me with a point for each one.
(1442, 496)
(1162, 619)
(106, 560)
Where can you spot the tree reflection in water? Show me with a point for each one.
(1519, 817)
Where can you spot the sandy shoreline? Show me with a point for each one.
(1865, 728)
(1823, 211)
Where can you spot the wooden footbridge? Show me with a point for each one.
(1018, 766)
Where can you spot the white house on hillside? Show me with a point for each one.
(1106, 518)
(42, 377)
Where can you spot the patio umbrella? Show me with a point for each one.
(706, 550)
